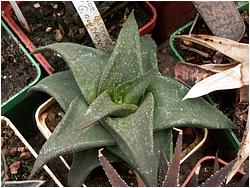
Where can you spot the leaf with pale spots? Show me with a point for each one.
(134, 136)
(148, 53)
(86, 64)
(131, 92)
(103, 106)
(114, 178)
(66, 139)
(125, 62)
(55, 85)
(83, 164)
(171, 111)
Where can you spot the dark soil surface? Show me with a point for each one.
(18, 158)
(227, 100)
(52, 22)
(17, 71)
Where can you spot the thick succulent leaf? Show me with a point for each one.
(83, 164)
(163, 140)
(86, 64)
(162, 168)
(171, 111)
(114, 178)
(131, 92)
(125, 62)
(62, 86)
(172, 176)
(103, 106)
(217, 179)
(134, 136)
(148, 53)
(67, 139)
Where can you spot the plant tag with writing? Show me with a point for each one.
(94, 24)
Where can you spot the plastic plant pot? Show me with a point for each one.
(28, 146)
(41, 114)
(18, 97)
(173, 51)
(201, 162)
(7, 12)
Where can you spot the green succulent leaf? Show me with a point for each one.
(134, 136)
(149, 53)
(163, 140)
(67, 139)
(130, 92)
(171, 111)
(86, 64)
(55, 85)
(103, 106)
(125, 62)
(83, 164)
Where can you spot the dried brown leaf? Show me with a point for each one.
(235, 50)
(219, 67)
(190, 74)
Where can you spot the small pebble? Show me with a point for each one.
(25, 155)
(55, 6)
(10, 76)
(36, 5)
(21, 149)
(58, 35)
(82, 30)
(48, 29)
(4, 77)
(14, 167)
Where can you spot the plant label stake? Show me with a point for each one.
(222, 18)
(94, 24)
(20, 16)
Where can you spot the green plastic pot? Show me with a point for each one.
(228, 133)
(18, 97)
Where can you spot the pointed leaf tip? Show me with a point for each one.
(114, 178)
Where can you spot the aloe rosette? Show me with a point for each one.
(119, 101)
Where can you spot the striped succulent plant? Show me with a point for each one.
(119, 101)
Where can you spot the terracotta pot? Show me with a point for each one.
(7, 12)
(202, 161)
(170, 16)
(28, 146)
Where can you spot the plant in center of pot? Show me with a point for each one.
(119, 101)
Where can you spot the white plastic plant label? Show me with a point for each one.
(94, 24)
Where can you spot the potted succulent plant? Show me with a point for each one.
(19, 156)
(64, 17)
(181, 55)
(49, 114)
(19, 71)
(121, 102)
